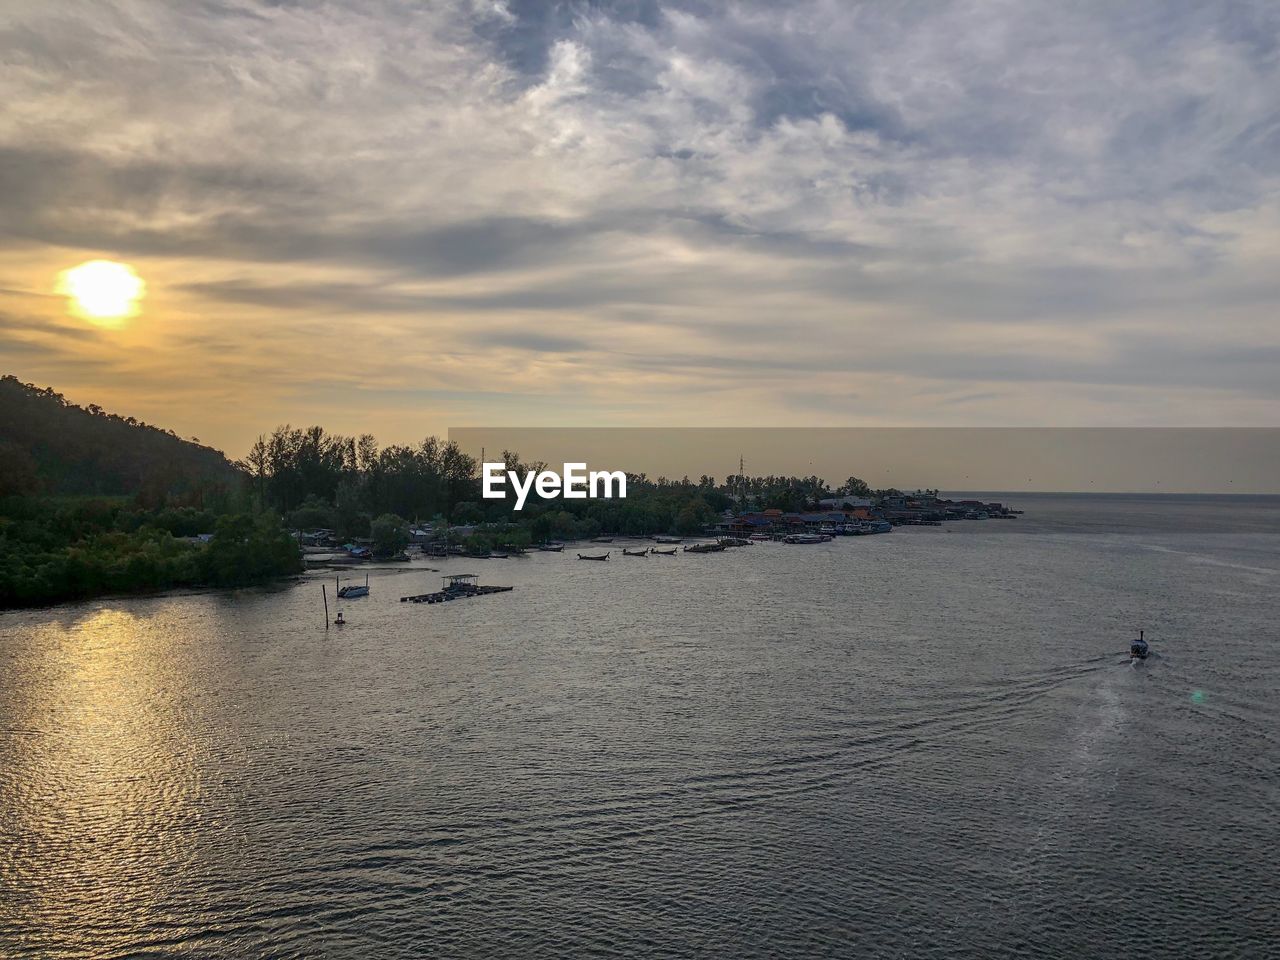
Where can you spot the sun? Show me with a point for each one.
(103, 291)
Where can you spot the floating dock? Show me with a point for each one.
(457, 586)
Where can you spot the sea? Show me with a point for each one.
(928, 743)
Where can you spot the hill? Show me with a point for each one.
(51, 446)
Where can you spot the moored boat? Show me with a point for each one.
(805, 538)
(586, 556)
(353, 590)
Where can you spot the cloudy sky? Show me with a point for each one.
(402, 216)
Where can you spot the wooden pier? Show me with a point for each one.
(458, 586)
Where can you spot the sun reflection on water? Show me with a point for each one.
(98, 781)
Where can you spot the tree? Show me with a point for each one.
(390, 535)
(467, 513)
(249, 549)
(366, 452)
(313, 514)
(349, 519)
(256, 465)
(18, 472)
(854, 487)
(688, 520)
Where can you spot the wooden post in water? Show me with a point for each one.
(324, 592)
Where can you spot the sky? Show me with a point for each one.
(401, 217)
(1159, 460)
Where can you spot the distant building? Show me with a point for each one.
(845, 503)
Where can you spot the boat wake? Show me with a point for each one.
(1210, 561)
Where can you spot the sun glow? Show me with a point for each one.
(103, 291)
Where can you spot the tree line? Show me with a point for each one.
(348, 484)
(66, 548)
(92, 503)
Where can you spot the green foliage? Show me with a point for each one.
(75, 450)
(313, 514)
(390, 535)
(144, 496)
(467, 513)
(689, 520)
(55, 549)
(52, 550)
(350, 518)
(345, 480)
(249, 549)
(18, 471)
(293, 467)
(498, 536)
(514, 538)
(854, 487)
(179, 521)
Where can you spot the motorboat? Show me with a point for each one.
(353, 590)
(805, 538)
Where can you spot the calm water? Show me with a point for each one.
(912, 745)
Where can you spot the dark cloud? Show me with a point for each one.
(10, 324)
(73, 197)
